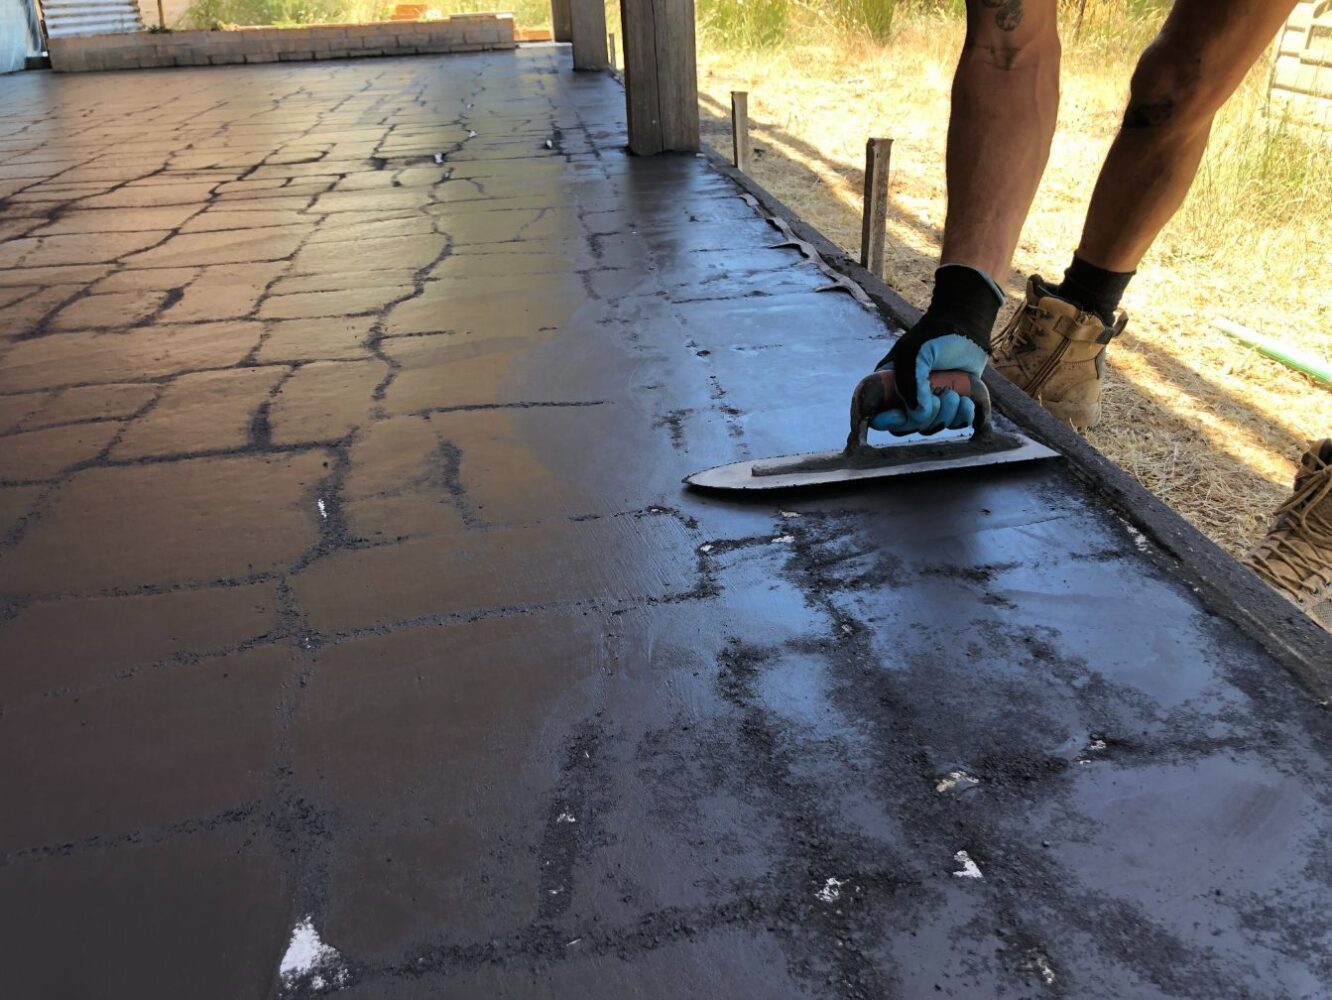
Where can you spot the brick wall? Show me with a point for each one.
(144, 50)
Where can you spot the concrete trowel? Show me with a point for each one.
(876, 393)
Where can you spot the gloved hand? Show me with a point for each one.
(930, 346)
(954, 333)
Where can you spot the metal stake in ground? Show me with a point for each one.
(740, 129)
(875, 217)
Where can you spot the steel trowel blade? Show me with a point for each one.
(822, 468)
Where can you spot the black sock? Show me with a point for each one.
(1093, 289)
(965, 301)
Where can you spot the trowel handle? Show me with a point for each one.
(877, 392)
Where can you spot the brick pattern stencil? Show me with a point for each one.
(347, 582)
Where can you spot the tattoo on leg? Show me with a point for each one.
(1149, 115)
(1008, 13)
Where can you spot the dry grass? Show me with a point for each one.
(1210, 427)
(526, 13)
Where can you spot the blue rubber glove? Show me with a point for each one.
(952, 334)
(932, 412)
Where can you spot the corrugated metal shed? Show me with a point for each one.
(90, 17)
(1301, 83)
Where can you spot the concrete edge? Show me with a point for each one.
(1225, 586)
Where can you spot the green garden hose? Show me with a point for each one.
(1315, 368)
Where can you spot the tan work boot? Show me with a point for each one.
(1296, 555)
(1055, 353)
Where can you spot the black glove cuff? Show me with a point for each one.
(965, 302)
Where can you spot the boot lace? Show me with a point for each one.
(1019, 336)
(1297, 553)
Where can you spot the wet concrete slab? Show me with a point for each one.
(358, 638)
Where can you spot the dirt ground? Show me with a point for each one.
(1209, 426)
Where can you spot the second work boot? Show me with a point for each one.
(1295, 557)
(1055, 353)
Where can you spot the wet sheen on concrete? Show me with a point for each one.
(359, 640)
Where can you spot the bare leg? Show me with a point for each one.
(1005, 102)
(1202, 53)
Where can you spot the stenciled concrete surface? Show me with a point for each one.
(359, 639)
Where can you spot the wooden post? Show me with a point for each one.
(660, 75)
(875, 217)
(589, 34)
(740, 129)
(561, 22)
(614, 56)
